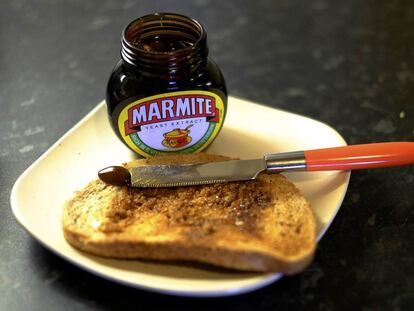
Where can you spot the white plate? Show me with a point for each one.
(250, 130)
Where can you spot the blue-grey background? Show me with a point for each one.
(346, 63)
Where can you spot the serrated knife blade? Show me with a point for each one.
(196, 174)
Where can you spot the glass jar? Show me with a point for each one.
(166, 95)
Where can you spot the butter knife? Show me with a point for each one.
(352, 157)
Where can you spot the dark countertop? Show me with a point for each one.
(349, 64)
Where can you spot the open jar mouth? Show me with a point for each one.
(165, 44)
(148, 27)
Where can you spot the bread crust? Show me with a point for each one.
(263, 225)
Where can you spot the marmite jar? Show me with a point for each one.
(166, 95)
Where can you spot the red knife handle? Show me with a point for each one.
(360, 156)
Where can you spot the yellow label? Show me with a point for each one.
(176, 122)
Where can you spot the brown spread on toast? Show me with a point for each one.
(259, 225)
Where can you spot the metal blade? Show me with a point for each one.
(195, 174)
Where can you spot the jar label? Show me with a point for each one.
(177, 122)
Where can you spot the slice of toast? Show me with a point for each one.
(260, 225)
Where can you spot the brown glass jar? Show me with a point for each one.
(166, 95)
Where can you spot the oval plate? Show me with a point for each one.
(250, 131)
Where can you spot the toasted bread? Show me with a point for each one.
(260, 225)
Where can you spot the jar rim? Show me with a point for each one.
(160, 17)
